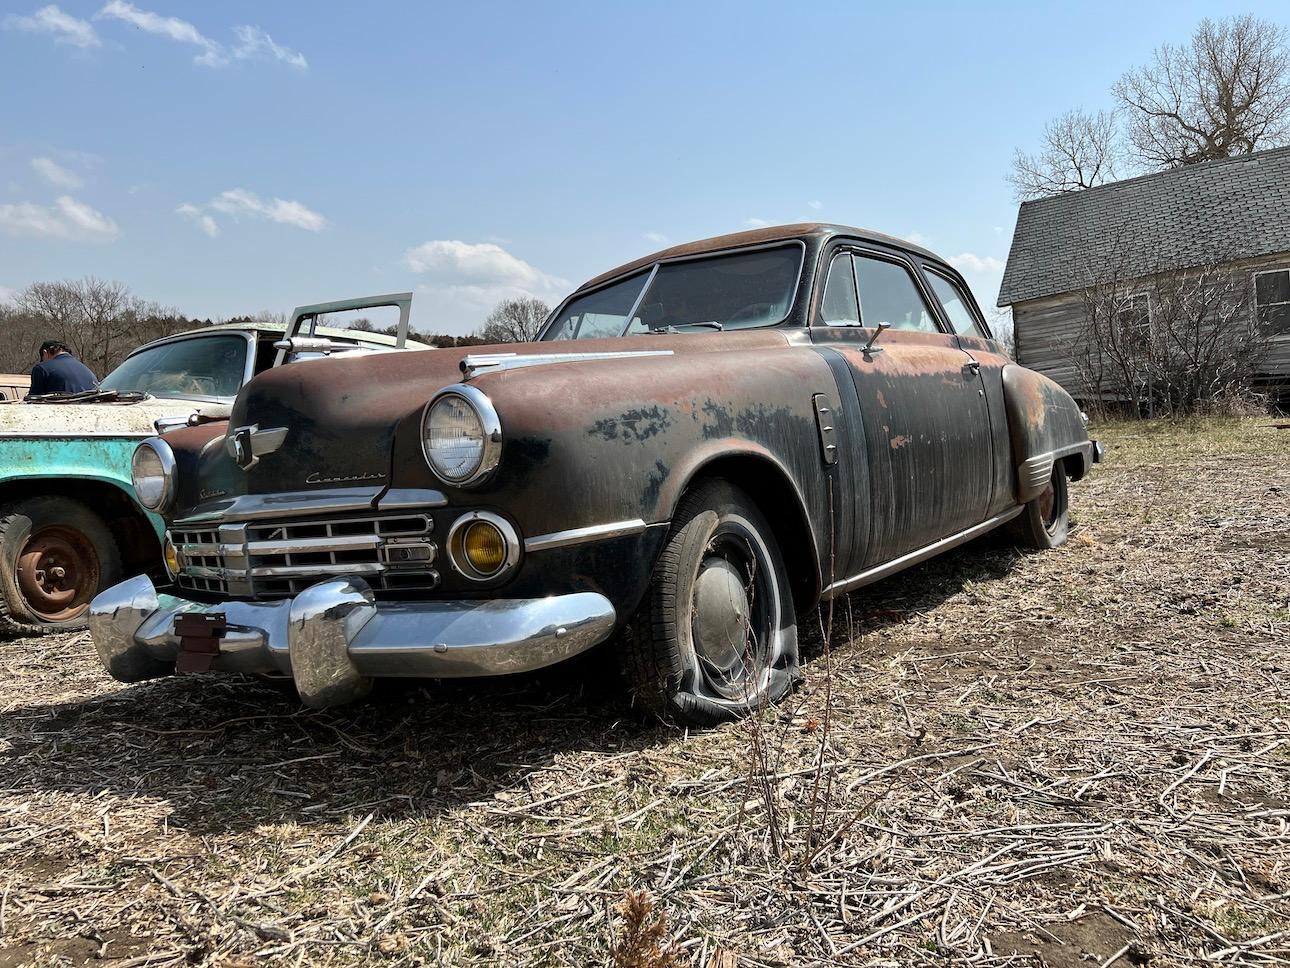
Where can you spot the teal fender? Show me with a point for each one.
(1046, 425)
(105, 460)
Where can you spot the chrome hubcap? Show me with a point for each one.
(720, 615)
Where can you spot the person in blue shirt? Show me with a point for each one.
(60, 372)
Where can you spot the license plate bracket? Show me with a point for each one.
(199, 634)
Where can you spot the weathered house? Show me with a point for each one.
(1231, 216)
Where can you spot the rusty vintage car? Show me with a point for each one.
(701, 446)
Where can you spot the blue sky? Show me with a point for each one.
(234, 157)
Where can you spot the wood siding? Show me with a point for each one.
(1047, 331)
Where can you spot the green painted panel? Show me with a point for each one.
(105, 459)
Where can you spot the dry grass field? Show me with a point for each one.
(1073, 758)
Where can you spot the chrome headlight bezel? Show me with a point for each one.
(490, 426)
(166, 458)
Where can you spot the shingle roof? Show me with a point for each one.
(1237, 208)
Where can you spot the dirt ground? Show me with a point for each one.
(1073, 758)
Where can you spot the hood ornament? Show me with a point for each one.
(247, 445)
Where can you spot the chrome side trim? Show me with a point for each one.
(290, 504)
(870, 575)
(478, 363)
(410, 499)
(574, 536)
(1033, 472)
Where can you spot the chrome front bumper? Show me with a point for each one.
(334, 638)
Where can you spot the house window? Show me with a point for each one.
(1133, 320)
(1272, 301)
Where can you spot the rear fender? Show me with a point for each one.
(1045, 425)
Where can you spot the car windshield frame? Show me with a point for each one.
(248, 369)
(649, 271)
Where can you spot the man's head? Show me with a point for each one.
(51, 348)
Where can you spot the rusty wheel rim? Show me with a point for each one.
(58, 573)
(1048, 506)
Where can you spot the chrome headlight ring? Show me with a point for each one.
(490, 433)
(162, 482)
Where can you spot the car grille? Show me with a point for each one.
(270, 560)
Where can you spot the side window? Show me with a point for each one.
(956, 305)
(838, 307)
(888, 295)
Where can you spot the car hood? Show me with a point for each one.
(341, 415)
(95, 419)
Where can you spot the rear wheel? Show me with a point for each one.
(716, 636)
(1045, 522)
(55, 556)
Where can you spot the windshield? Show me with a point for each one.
(737, 291)
(205, 367)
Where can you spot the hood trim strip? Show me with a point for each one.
(478, 363)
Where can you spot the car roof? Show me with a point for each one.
(759, 236)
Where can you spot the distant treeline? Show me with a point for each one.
(101, 322)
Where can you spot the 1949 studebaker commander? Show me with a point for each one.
(701, 445)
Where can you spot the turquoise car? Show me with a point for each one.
(70, 524)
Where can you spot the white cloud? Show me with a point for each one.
(204, 221)
(757, 223)
(970, 262)
(816, 205)
(181, 31)
(238, 203)
(466, 280)
(55, 174)
(478, 264)
(67, 219)
(658, 238)
(65, 28)
(8, 296)
(918, 238)
(256, 43)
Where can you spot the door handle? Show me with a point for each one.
(972, 368)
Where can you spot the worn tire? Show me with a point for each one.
(37, 531)
(1045, 522)
(718, 540)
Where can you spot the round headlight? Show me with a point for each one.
(153, 472)
(461, 435)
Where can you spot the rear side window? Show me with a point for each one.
(956, 305)
(838, 307)
(888, 295)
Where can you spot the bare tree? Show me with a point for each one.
(100, 321)
(1226, 93)
(1079, 150)
(515, 321)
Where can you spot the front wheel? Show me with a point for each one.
(1045, 522)
(55, 555)
(716, 636)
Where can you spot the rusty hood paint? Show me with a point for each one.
(342, 414)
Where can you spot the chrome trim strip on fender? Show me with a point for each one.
(870, 575)
(290, 504)
(595, 532)
(478, 363)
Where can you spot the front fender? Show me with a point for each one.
(1044, 424)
